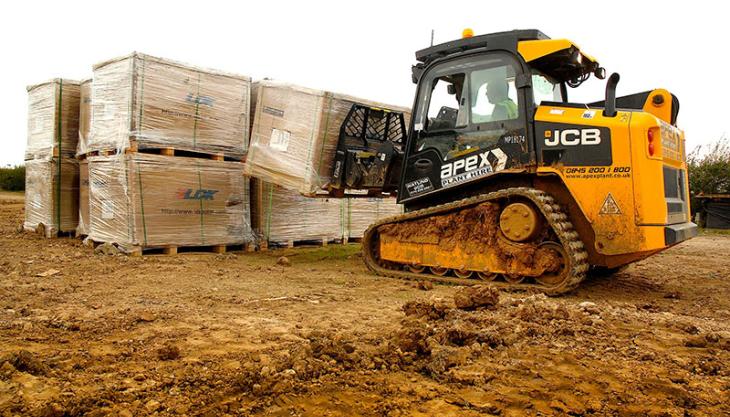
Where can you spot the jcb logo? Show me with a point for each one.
(190, 194)
(572, 137)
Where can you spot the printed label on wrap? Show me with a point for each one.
(279, 140)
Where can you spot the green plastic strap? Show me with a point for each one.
(197, 114)
(349, 212)
(342, 218)
(200, 200)
(131, 230)
(141, 202)
(130, 112)
(60, 155)
(268, 213)
(141, 99)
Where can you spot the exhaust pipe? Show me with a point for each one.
(609, 109)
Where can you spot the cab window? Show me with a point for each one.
(467, 103)
(545, 89)
(493, 94)
(447, 107)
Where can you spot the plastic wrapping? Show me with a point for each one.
(83, 227)
(295, 132)
(51, 195)
(53, 119)
(362, 212)
(285, 217)
(142, 201)
(84, 117)
(147, 102)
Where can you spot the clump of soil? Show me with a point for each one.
(478, 296)
(25, 361)
(168, 352)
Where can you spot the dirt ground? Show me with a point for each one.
(237, 334)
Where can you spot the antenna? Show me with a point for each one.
(432, 31)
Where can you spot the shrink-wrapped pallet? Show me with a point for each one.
(140, 101)
(83, 228)
(362, 212)
(53, 119)
(51, 195)
(285, 217)
(140, 201)
(84, 117)
(295, 132)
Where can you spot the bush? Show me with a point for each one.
(12, 179)
(709, 170)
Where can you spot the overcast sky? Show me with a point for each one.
(365, 48)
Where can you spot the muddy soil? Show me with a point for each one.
(475, 230)
(84, 334)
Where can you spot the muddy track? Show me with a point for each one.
(557, 221)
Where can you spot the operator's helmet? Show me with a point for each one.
(497, 90)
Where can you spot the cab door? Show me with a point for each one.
(469, 122)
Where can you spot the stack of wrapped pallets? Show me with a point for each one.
(282, 217)
(52, 173)
(362, 212)
(163, 152)
(159, 145)
(294, 136)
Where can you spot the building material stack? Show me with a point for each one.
(294, 136)
(295, 132)
(282, 217)
(164, 155)
(52, 173)
(362, 212)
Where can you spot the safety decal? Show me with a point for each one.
(419, 186)
(610, 206)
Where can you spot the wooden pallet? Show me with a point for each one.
(171, 151)
(96, 153)
(168, 151)
(263, 246)
(174, 250)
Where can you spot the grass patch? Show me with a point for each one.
(320, 253)
(715, 232)
(12, 195)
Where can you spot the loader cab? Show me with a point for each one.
(474, 110)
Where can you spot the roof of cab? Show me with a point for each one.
(500, 40)
(532, 44)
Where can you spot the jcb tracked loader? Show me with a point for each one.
(504, 179)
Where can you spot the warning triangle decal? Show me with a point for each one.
(609, 206)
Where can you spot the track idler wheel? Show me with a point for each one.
(416, 269)
(462, 273)
(439, 271)
(561, 273)
(513, 278)
(487, 276)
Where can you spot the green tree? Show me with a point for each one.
(12, 178)
(709, 170)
